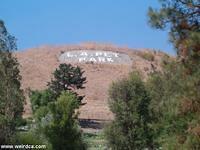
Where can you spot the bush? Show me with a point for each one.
(41, 112)
(131, 128)
(61, 125)
(40, 98)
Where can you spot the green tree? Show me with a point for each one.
(175, 105)
(182, 19)
(11, 95)
(131, 128)
(175, 90)
(67, 78)
(40, 98)
(55, 109)
(60, 125)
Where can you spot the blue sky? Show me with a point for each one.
(121, 22)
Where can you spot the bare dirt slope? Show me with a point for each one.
(37, 65)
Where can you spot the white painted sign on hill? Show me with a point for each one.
(95, 56)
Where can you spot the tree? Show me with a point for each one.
(40, 98)
(7, 41)
(129, 101)
(55, 109)
(175, 105)
(11, 95)
(177, 97)
(60, 125)
(67, 78)
(182, 18)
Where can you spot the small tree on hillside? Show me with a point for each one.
(11, 96)
(67, 78)
(129, 101)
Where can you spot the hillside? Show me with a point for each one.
(37, 65)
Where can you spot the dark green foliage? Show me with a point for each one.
(175, 92)
(56, 120)
(182, 18)
(40, 98)
(41, 112)
(62, 128)
(11, 96)
(67, 78)
(175, 105)
(131, 129)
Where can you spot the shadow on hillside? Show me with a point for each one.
(91, 123)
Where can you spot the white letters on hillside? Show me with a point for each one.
(93, 56)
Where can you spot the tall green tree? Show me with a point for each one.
(175, 90)
(131, 128)
(11, 95)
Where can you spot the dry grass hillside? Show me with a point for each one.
(37, 65)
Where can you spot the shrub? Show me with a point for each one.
(40, 98)
(61, 128)
(129, 101)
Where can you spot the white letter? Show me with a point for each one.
(98, 53)
(101, 59)
(92, 59)
(82, 59)
(83, 54)
(69, 55)
(108, 54)
(110, 60)
(116, 55)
